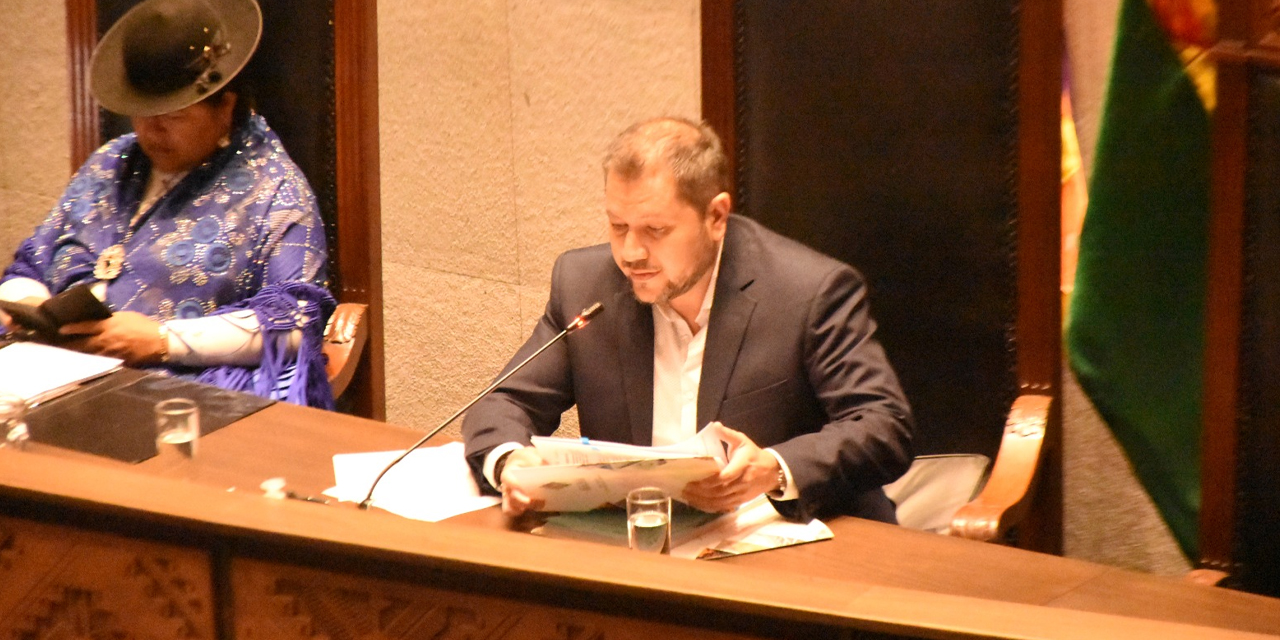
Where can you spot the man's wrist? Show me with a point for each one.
(490, 470)
(499, 465)
(784, 490)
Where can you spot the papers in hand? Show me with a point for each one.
(582, 474)
(40, 372)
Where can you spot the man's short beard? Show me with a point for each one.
(673, 290)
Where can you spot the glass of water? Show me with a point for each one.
(13, 421)
(649, 520)
(177, 428)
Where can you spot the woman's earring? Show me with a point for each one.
(224, 142)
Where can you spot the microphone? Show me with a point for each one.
(577, 323)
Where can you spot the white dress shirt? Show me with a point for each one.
(677, 370)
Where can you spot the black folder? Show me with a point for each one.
(76, 304)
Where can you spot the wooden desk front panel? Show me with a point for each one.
(81, 538)
(282, 602)
(63, 582)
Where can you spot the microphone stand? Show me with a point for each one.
(577, 323)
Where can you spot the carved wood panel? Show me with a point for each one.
(279, 602)
(61, 582)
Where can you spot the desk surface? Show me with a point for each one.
(868, 565)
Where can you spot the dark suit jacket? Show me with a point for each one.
(790, 360)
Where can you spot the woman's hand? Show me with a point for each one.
(128, 335)
(7, 320)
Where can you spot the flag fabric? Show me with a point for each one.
(1135, 332)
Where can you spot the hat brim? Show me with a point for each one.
(242, 24)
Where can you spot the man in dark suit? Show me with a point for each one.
(780, 350)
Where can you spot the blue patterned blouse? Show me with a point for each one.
(240, 231)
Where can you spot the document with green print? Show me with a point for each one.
(583, 474)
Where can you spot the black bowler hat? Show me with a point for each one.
(164, 55)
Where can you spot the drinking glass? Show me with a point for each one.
(649, 520)
(177, 427)
(13, 423)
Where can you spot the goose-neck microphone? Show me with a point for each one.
(575, 324)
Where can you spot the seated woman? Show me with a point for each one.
(197, 230)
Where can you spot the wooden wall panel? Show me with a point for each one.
(82, 27)
(1241, 425)
(358, 254)
(1259, 434)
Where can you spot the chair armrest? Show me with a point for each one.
(344, 339)
(1004, 500)
(1207, 577)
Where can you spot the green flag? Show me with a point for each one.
(1135, 334)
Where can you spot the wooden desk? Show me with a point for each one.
(162, 549)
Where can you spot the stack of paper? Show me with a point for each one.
(582, 474)
(39, 372)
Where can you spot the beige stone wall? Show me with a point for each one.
(494, 117)
(34, 116)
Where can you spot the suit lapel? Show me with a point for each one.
(635, 350)
(730, 314)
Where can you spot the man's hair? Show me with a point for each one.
(691, 150)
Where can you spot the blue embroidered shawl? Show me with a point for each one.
(240, 231)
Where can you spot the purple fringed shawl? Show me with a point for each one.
(279, 313)
(241, 231)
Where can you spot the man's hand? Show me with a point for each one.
(750, 472)
(128, 335)
(514, 500)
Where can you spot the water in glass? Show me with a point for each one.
(13, 424)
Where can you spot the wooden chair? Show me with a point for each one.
(961, 494)
(920, 143)
(344, 340)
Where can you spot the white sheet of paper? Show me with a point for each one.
(40, 372)
(431, 484)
